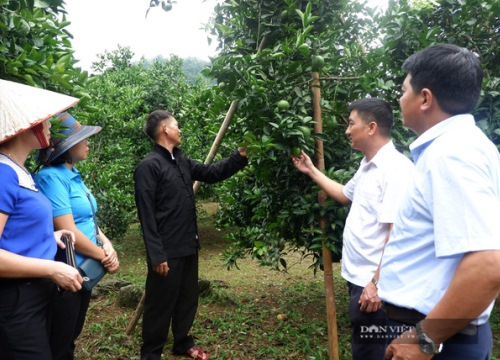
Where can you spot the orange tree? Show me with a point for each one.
(473, 24)
(35, 47)
(268, 50)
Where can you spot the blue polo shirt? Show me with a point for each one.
(29, 230)
(69, 195)
(451, 209)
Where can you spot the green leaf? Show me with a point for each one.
(42, 3)
(301, 14)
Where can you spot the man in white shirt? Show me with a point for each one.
(374, 194)
(440, 271)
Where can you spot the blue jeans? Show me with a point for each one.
(459, 346)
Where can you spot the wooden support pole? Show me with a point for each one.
(211, 154)
(331, 311)
(218, 139)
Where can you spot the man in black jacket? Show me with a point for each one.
(167, 211)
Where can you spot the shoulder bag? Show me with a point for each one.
(91, 269)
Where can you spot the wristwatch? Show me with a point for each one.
(375, 282)
(426, 344)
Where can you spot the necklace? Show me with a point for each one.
(10, 157)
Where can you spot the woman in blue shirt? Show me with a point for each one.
(73, 208)
(29, 276)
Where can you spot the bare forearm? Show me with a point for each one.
(86, 247)
(331, 187)
(104, 239)
(475, 285)
(377, 272)
(17, 266)
(369, 298)
(83, 244)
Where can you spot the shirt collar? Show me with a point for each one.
(68, 173)
(424, 140)
(379, 156)
(165, 153)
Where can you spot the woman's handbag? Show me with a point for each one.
(91, 269)
(66, 255)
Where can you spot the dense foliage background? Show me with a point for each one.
(266, 52)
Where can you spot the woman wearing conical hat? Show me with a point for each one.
(29, 276)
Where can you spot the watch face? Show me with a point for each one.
(426, 344)
(427, 348)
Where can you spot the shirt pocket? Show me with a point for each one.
(369, 199)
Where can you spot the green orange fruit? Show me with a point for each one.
(341, 213)
(283, 105)
(296, 151)
(305, 49)
(318, 62)
(304, 46)
(305, 131)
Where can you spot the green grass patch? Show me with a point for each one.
(250, 313)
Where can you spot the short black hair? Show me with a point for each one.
(154, 120)
(453, 75)
(377, 110)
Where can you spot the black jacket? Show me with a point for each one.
(165, 200)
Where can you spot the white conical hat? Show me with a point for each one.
(23, 106)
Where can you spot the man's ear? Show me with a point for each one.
(427, 99)
(372, 127)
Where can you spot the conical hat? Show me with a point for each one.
(23, 106)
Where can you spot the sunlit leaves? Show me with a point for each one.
(35, 47)
(267, 51)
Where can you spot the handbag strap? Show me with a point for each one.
(99, 243)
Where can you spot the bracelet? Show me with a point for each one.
(375, 282)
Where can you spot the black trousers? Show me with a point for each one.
(170, 300)
(66, 322)
(24, 310)
(364, 345)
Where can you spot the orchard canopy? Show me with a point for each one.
(267, 50)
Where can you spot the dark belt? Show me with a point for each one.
(17, 281)
(402, 314)
(412, 317)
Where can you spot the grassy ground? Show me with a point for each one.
(251, 313)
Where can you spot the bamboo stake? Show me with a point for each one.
(218, 139)
(331, 312)
(196, 187)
